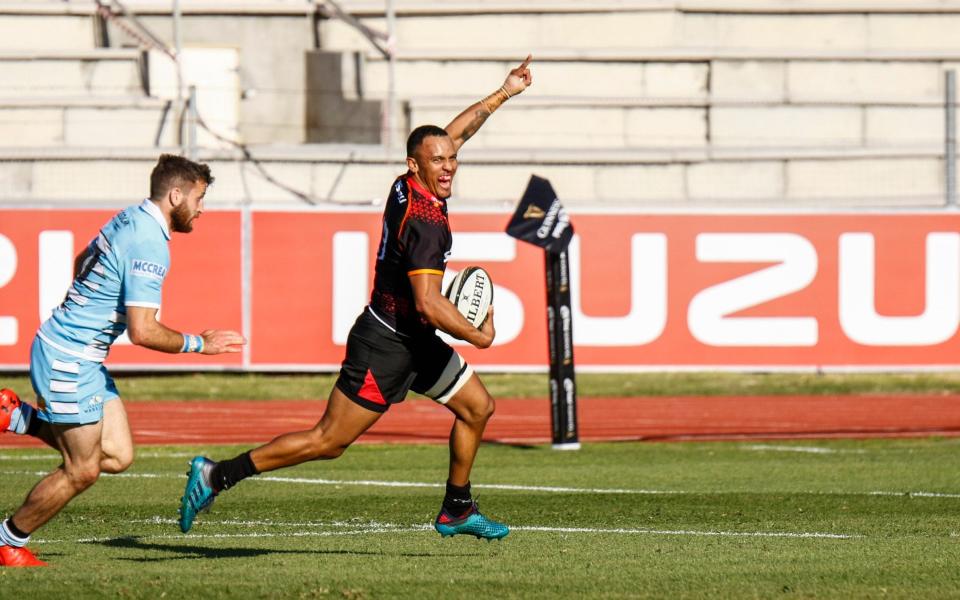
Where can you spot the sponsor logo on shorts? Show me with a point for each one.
(145, 268)
(94, 404)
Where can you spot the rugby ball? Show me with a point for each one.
(471, 291)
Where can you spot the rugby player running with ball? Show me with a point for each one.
(393, 347)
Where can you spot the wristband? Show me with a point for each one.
(501, 96)
(192, 343)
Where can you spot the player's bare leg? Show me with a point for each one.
(342, 423)
(473, 406)
(116, 443)
(80, 447)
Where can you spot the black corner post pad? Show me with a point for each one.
(541, 220)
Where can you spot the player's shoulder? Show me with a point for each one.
(134, 227)
(400, 190)
(425, 207)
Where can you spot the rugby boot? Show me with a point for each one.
(470, 523)
(9, 408)
(199, 494)
(11, 556)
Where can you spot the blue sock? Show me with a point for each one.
(22, 418)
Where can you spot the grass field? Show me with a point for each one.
(614, 520)
(837, 519)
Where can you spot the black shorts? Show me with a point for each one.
(381, 366)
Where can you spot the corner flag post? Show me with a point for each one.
(541, 220)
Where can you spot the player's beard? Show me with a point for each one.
(182, 219)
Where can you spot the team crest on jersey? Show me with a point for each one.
(401, 197)
(145, 268)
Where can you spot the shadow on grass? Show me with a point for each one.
(188, 552)
(514, 445)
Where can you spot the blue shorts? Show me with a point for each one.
(70, 390)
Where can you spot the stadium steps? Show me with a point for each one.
(112, 121)
(64, 72)
(591, 179)
(684, 65)
(840, 99)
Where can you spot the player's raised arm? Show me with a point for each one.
(464, 125)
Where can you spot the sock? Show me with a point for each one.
(23, 419)
(11, 535)
(35, 424)
(458, 500)
(229, 473)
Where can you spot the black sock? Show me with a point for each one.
(229, 473)
(458, 499)
(34, 427)
(16, 530)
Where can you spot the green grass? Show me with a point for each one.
(690, 520)
(259, 386)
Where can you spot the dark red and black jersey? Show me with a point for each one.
(415, 239)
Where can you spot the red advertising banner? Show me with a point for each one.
(693, 291)
(201, 290)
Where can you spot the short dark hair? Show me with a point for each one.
(418, 134)
(176, 171)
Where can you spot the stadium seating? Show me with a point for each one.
(635, 102)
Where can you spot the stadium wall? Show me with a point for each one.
(740, 291)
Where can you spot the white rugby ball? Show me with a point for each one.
(471, 291)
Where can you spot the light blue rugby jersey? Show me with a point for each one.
(126, 266)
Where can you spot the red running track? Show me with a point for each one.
(528, 421)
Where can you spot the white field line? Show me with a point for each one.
(915, 494)
(55, 456)
(522, 488)
(801, 449)
(377, 528)
(774, 534)
(485, 486)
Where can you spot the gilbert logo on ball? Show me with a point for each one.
(471, 291)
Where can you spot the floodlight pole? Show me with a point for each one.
(178, 48)
(390, 111)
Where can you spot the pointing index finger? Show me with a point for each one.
(526, 61)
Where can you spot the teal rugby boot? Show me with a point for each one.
(199, 494)
(472, 523)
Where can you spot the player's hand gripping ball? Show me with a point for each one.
(471, 291)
